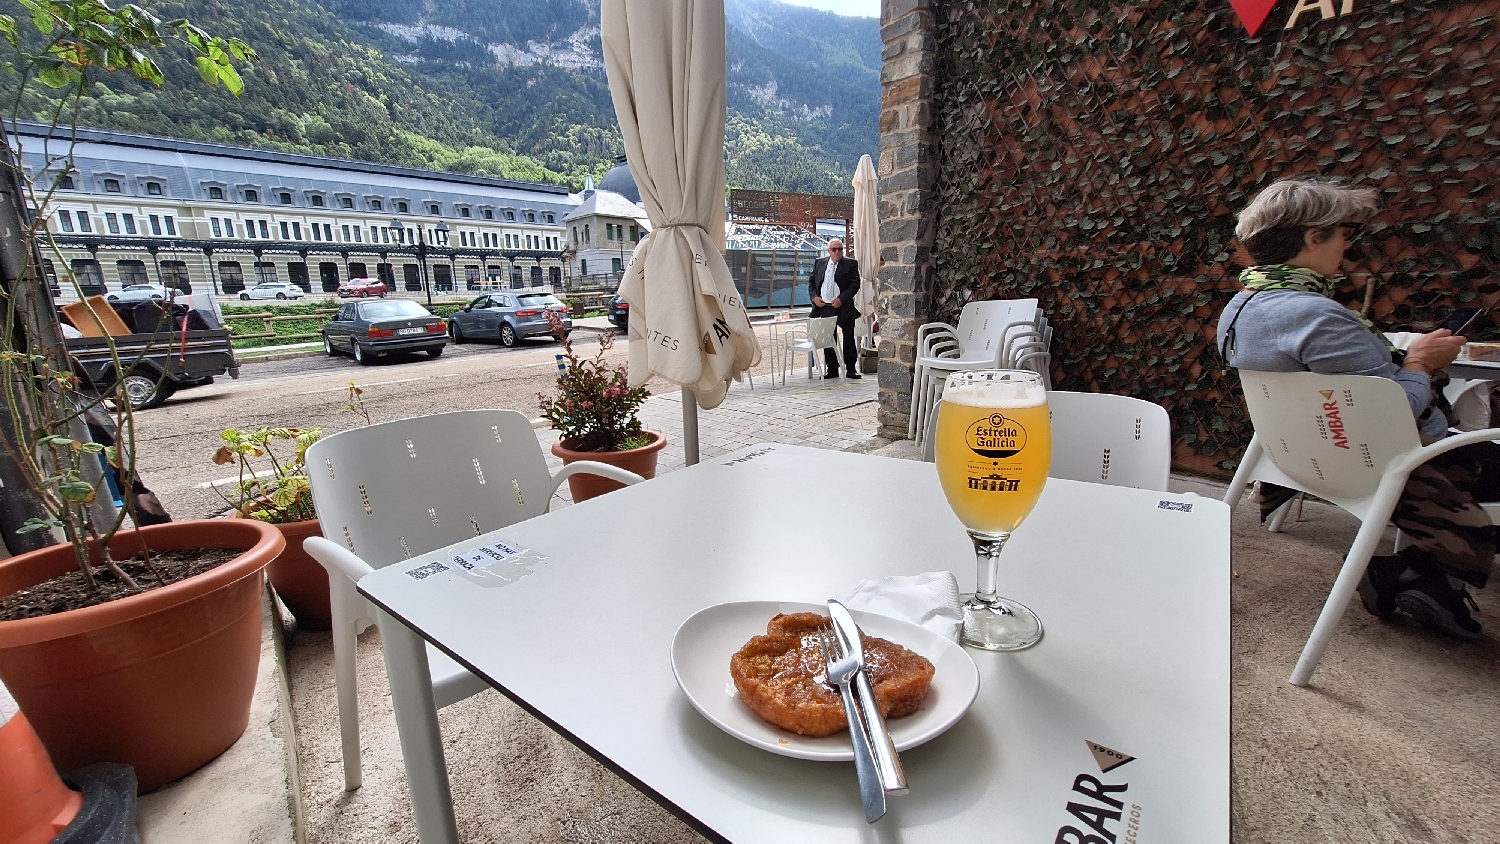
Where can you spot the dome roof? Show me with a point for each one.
(619, 180)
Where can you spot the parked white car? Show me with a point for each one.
(140, 293)
(272, 290)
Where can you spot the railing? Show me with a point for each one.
(268, 319)
(593, 282)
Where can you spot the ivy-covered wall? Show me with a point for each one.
(1093, 154)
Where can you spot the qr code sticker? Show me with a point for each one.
(424, 572)
(1179, 506)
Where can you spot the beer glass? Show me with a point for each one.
(994, 447)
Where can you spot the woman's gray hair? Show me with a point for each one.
(1305, 204)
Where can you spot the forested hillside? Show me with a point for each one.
(512, 88)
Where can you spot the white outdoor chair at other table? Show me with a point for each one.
(1348, 439)
(815, 336)
(1108, 439)
(389, 492)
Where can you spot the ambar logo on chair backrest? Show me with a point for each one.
(1332, 422)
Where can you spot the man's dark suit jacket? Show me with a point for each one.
(846, 276)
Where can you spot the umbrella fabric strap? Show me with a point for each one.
(682, 226)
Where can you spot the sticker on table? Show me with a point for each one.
(496, 564)
(425, 571)
(1178, 506)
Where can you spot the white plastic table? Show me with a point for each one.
(1132, 585)
(1474, 370)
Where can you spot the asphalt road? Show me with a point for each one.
(175, 442)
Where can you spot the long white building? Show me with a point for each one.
(206, 217)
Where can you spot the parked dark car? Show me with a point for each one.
(508, 317)
(361, 288)
(370, 329)
(619, 312)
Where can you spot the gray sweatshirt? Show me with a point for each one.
(1293, 331)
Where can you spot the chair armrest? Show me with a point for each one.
(593, 467)
(1417, 456)
(335, 558)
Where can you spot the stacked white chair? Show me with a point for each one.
(995, 334)
(1348, 439)
(389, 492)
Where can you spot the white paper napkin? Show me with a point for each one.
(929, 599)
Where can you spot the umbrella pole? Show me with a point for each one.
(690, 425)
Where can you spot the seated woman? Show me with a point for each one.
(1297, 232)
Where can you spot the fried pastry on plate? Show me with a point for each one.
(781, 677)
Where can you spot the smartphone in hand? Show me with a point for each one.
(1463, 320)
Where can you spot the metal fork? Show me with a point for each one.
(841, 671)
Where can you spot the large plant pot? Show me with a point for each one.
(161, 680)
(301, 581)
(641, 461)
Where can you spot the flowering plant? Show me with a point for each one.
(595, 406)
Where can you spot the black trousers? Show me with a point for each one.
(846, 329)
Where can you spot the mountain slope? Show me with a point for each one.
(505, 87)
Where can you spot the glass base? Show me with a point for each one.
(1000, 625)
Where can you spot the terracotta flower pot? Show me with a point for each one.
(641, 461)
(301, 581)
(161, 680)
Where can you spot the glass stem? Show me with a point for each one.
(987, 552)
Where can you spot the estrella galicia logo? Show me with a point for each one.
(995, 436)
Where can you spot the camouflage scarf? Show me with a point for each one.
(1289, 277)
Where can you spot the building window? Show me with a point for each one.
(463, 212)
(231, 276)
(155, 225)
(171, 225)
(317, 232)
(90, 276)
(317, 201)
(229, 227)
(575, 235)
(296, 231)
(489, 213)
(550, 218)
(49, 270)
(583, 267)
(586, 236)
(65, 219)
(83, 222)
(614, 266)
(531, 216)
(132, 272)
(510, 215)
(265, 273)
(634, 234)
(434, 209)
(174, 274)
(375, 205)
(264, 232)
(111, 185)
(214, 222)
(346, 202)
(215, 193)
(250, 229)
(252, 196)
(129, 220)
(346, 233)
(284, 198)
(153, 189)
(64, 183)
(403, 208)
(327, 232)
(358, 235)
(609, 231)
(286, 230)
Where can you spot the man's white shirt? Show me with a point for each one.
(830, 290)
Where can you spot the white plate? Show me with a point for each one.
(705, 642)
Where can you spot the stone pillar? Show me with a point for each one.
(908, 174)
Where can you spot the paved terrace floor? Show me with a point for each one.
(1397, 742)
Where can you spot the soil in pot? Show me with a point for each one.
(68, 592)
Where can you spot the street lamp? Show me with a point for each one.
(442, 235)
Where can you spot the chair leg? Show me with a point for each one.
(1242, 474)
(1278, 517)
(1349, 576)
(345, 672)
(417, 727)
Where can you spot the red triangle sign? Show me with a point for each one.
(1253, 12)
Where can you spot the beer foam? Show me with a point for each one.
(1002, 394)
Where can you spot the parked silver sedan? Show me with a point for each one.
(507, 317)
(370, 328)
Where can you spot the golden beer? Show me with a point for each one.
(993, 447)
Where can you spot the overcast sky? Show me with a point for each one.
(852, 8)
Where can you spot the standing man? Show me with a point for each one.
(831, 287)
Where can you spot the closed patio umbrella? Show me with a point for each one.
(866, 244)
(665, 61)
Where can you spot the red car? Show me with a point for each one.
(360, 288)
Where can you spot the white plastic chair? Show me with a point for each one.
(816, 336)
(1348, 439)
(386, 493)
(1108, 439)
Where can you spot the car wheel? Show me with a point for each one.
(435, 352)
(507, 335)
(143, 390)
(363, 357)
(328, 347)
(280, 295)
(458, 333)
(382, 295)
(244, 297)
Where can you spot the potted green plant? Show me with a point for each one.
(276, 491)
(136, 645)
(595, 411)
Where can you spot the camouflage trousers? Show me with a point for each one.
(1439, 509)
